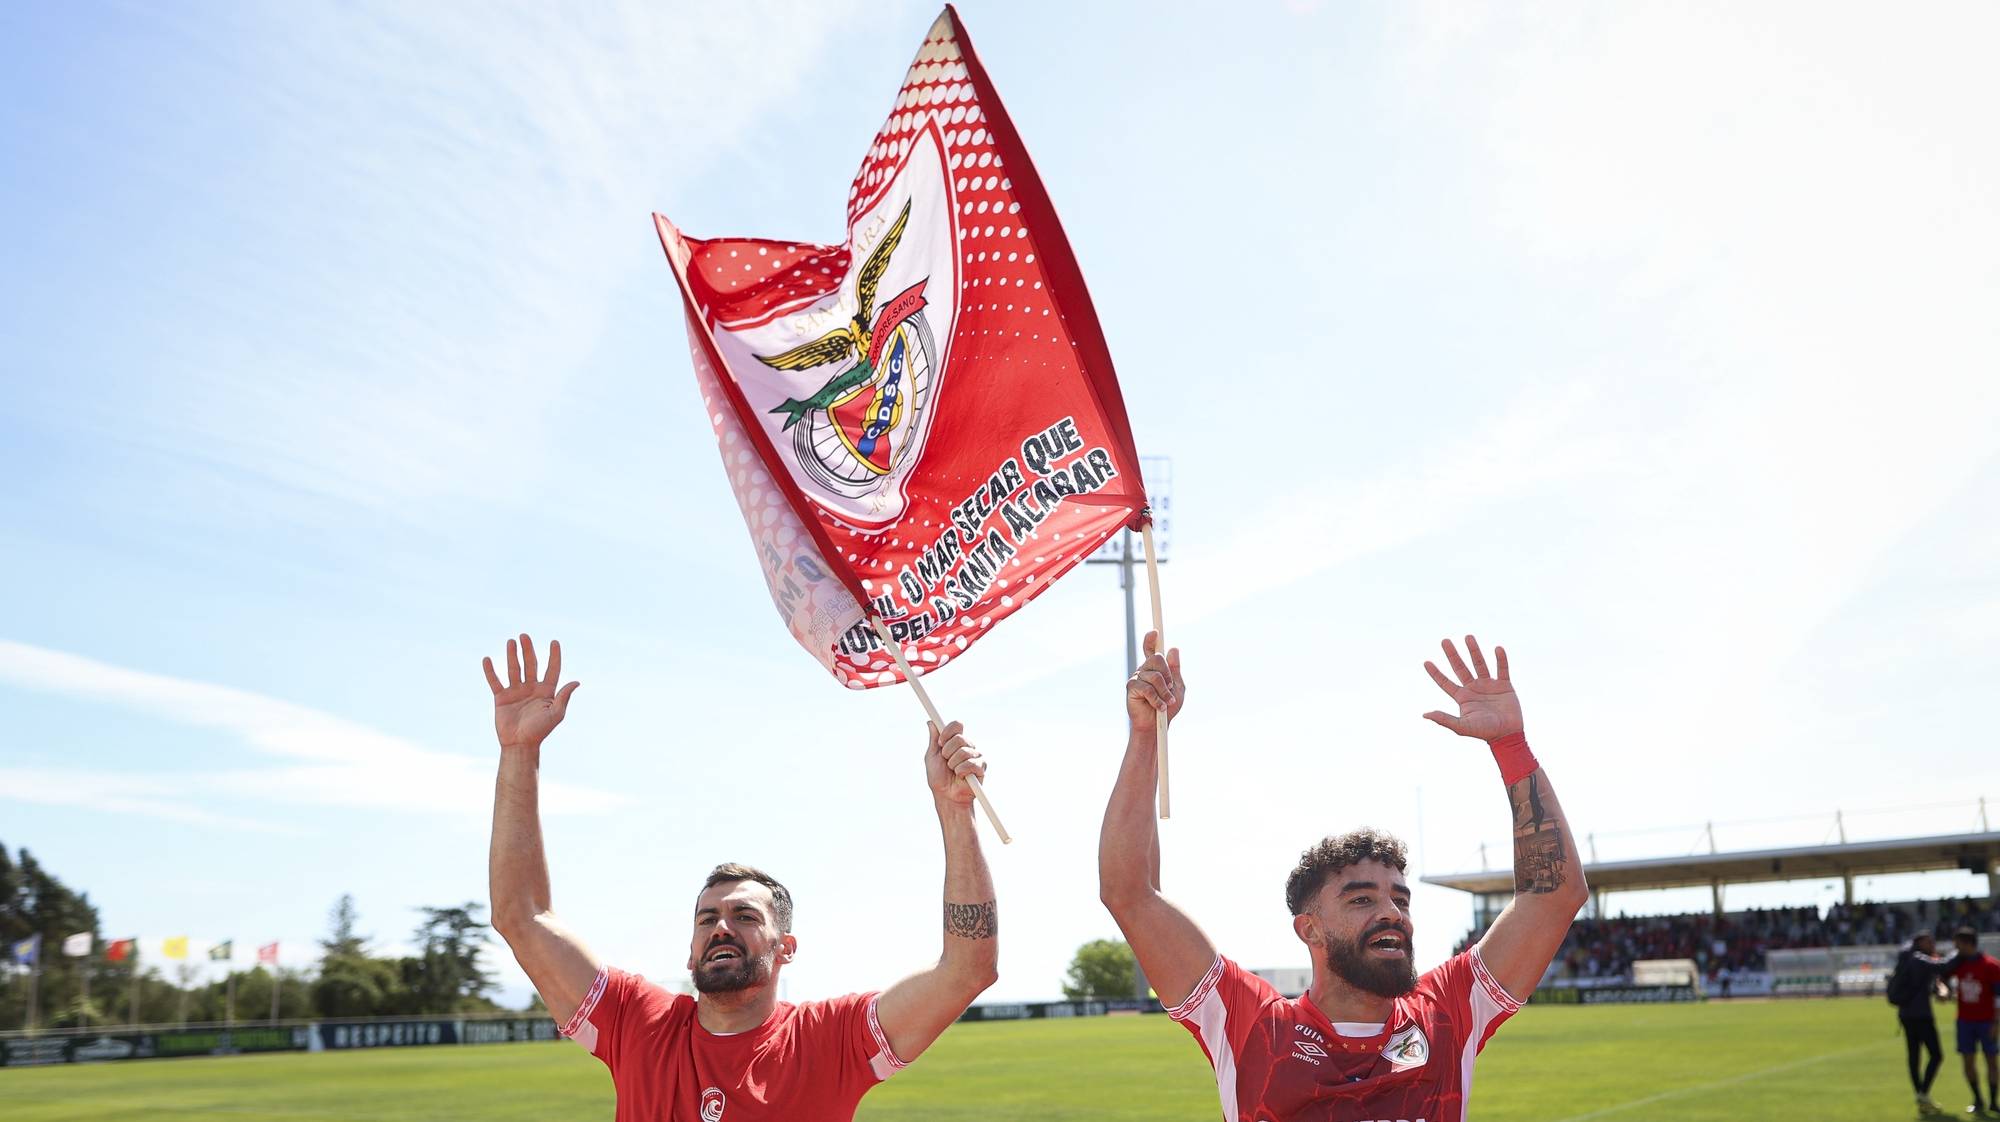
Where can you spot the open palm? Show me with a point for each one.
(529, 706)
(1487, 705)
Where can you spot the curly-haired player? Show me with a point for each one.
(1371, 1039)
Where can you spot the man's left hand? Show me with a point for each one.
(949, 762)
(1487, 706)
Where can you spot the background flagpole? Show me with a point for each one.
(1160, 627)
(35, 983)
(132, 1014)
(910, 676)
(85, 967)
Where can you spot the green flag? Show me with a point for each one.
(221, 952)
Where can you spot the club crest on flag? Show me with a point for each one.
(843, 372)
(851, 434)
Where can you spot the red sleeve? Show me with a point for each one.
(618, 1013)
(1222, 1008)
(1468, 992)
(846, 1031)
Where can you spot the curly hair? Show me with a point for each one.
(1335, 853)
(781, 897)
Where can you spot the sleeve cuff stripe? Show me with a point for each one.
(1201, 990)
(896, 1063)
(589, 1005)
(1491, 984)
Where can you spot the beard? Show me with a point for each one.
(732, 975)
(1381, 977)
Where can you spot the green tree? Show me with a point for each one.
(447, 975)
(1101, 968)
(350, 983)
(34, 901)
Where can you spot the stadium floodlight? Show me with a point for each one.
(1123, 552)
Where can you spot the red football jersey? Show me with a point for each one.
(807, 1063)
(1975, 976)
(1279, 1059)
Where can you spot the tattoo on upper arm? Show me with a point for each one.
(1541, 862)
(971, 921)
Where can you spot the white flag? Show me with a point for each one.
(77, 945)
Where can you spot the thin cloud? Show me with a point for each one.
(331, 761)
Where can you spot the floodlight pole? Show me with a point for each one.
(1126, 582)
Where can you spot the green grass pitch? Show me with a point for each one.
(1829, 1061)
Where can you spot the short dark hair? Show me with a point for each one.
(781, 897)
(1966, 933)
(1335, 853)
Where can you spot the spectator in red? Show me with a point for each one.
(1975, 974)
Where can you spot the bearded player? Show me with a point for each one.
(734, 1052)
(1371, 1039)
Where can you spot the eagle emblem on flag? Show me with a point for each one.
(849, 434)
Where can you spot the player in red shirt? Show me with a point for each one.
(1975, 975)
(1370, 1039)
(735, 1053)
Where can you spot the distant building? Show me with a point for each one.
(1288, 980)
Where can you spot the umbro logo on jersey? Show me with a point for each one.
(1308, 1051)
(712, 1103)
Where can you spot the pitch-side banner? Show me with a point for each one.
(923, 423)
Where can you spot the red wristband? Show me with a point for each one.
(1516, 761)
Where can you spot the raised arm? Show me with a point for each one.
(1548, 873)
(1170, 948)
(914, 1011)
(525, 711)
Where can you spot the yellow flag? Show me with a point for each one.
(174, 946)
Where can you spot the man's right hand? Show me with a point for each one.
(1155, 688)
(529, 707)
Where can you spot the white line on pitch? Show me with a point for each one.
(1731, 1081)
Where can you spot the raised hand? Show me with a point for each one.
(1155, 688)
(948, 761)
(1487, 706)
(529, 707)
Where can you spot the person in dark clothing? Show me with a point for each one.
(1914, 985)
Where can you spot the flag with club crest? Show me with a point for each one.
(77, 945)
(28, 951)
(922, 423)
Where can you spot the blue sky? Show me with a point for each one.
(1656, 345)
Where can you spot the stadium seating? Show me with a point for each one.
(1606, 948)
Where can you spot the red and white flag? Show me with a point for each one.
(119, 950)
(920, 424)
(268, 953)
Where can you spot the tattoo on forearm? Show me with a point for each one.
(1541, 861)
(971, 921)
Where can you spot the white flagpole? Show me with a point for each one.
(1160, 628)
(85, 967)
(275, 982)
(910, 676)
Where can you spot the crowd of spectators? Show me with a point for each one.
(1738, 941)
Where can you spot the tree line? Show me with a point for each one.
(444, 976)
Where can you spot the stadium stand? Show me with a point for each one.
(1739, 941)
